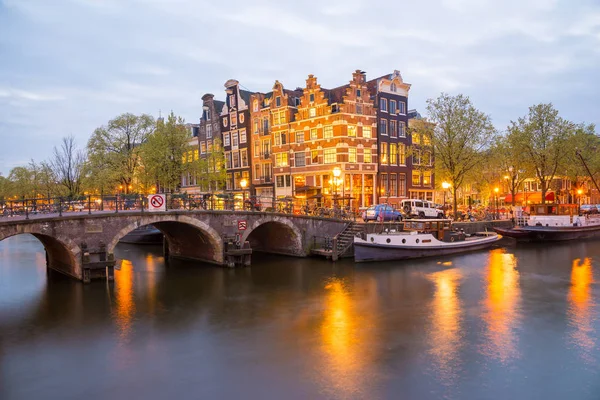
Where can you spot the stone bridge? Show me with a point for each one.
(82, 245)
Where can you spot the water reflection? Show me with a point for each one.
(125, 303)
(581, 306)
(502, 305)
(342, 340)
(446, 334)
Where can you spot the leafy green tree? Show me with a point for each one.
(20, 182)
(114, 151)
(510, 162)
(542, 137)
(4, 188)
(461, 136)
(163, 152)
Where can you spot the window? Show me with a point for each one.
(311, 98)
(266, 146)
(256, 171)
(426, 158)
(233, 118)
(393, 154)
(256, 148)
(312, 112)
(393, 87)
(402, 107)
(255, 105)
(367, 156)
(358, 93)
(401, 129)
(393, 185)
(242, 136)
(313, 134)
(265, 125)
(402, 185)
(393, 129)
(416, 178)
(383, 126)
(225, 122)
(242, 118)
(366, 130)
(234, 140)
(288, 180)
(359, 108)
(244, 154)
(203, 147)
(279, 117)
(280, 181)
(226, 139)
(383, 105)
(255, 127)
(426, 178)
(352, 154)
(236, 159)
(314, 156)
(392, 106)
(300, 137)
(383, 184)
(208, 131)
(300, 159)
(329, 156)
(352, 130)
(426, 139)
(281, 160)
(278, 101)
(283, 138)
(328, 132)
(383, 153)
(228, 160)
(416, 158)
(416, 138)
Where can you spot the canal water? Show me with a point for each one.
(519, 322)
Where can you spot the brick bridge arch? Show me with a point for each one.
(186, 236)
(275, 235)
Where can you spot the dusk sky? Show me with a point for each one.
(69, 66)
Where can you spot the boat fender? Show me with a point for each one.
(452, 238)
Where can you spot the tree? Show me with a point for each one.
(510, 161)
(67, 165)
(114, 150)
(163, 153)
(542, 136)
(20, 182)
(210, 169)
(461, 135)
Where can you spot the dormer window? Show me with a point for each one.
(232, 101)
(278, 101)
(358, 93)
(393, 87)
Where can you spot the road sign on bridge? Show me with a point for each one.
(156, 202)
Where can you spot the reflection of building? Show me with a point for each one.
(332, 128)
(235, 126)
(391, 99)
(271, 115)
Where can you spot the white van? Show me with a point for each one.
(420, 209)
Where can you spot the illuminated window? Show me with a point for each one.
(281, 160)
(328, 132)
(416, 178)
(244, 154)
(352, 154)
(401, 154)
(383, 153)
(233, 117)
(312, 112)
(195, 154)
(367, 158)
(329, 156)
(256, 127)
(256, 148)
(236, 159)
(203, 147)
(416, 158)
(242, 136)
(314, 156)
(426, 178)
(352, 130)
(416, 138)
(225, 122)
(366, 131)
(313, 134)
(393, 154)
(255, 105)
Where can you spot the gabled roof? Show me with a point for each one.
(372, 84)
(245, 94)
(218, 105)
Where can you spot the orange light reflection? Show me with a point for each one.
(580, 308)
(124, 299)
(502, 305)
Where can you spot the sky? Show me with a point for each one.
(69, 66)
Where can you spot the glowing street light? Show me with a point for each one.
(579, 192)
(496, 190)
(445, 186)
(243, 184)
(337, 172)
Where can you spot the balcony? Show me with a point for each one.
(266, 155)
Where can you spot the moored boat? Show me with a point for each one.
(418, 238)
(554, 222)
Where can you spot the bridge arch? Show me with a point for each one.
(62, 253)
(276, 235)
(187, 237)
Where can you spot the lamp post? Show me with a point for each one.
(496, 215)
(243, 184)
(579, 192)
(445, 186)
(337, 172)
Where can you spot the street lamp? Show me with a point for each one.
(337, 172)
(445, 186)
(243, 184)
(579, 192)
(496, 190)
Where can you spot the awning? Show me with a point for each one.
(529, 197)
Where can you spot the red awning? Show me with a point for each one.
(529, 197)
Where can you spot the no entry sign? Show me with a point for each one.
(242, 224)
(156, 202)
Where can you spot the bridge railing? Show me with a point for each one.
(120, 202)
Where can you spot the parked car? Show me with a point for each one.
(381, 212)
(420, 209)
